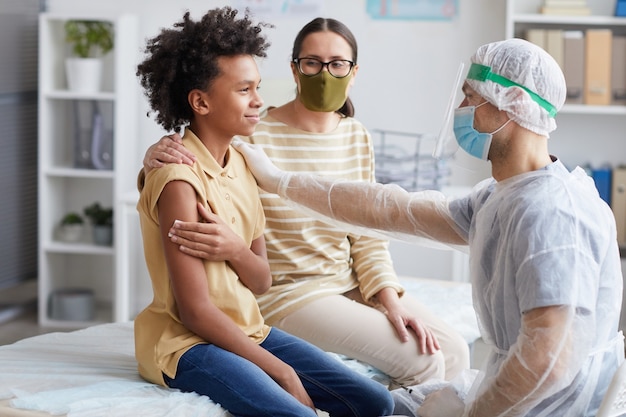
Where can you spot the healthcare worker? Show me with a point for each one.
(544, 260)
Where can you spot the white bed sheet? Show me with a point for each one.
(88, 373)
(92, 372)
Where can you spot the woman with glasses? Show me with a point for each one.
(335, 289)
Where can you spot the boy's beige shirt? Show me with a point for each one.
(231, 193)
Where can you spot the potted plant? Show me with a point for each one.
(90, 40)
(102, 221)
(71, 229)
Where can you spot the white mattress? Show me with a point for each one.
(93, 372)
(87, 373)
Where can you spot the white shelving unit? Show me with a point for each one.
(64, 188)
(585, 134)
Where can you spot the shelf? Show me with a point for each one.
(62, 172)
(517, 25)
(569, 20)
(68, 174)
(73, 95)
(84, 248)
(595, 110)
(103, 315)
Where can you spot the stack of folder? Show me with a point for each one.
(593, 62)
(611, 185)
(618, 202)
(620, 8)
(565, 7)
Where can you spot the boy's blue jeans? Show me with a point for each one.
(244, 389)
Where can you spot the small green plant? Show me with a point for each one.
(72, 218)
(99, 215)
(89, 38)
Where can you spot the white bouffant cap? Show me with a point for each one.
(537, 90)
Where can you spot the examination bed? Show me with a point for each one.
(92, 372)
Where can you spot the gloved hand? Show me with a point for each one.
(267, 175)
(442, 403)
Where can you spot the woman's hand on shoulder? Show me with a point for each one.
(168, 150)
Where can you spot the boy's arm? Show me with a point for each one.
(212, 239)
(197, 312)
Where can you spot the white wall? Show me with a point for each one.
(406, 67)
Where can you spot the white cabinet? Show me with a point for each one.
(586, 134)
(68, 185)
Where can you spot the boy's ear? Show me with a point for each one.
(199, 101)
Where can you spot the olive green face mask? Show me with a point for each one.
(323, 92)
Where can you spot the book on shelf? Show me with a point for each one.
(618, 202)
(620, 8)
(611, 185)
(536, 36)
(551, 40)
(598, 45)
(573, 65)
(554, 45)
(593, 63)
(602, 178)
(566, 11)
(618, 71)
(565, 3)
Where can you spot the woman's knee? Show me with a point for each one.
(457, 356)
(419, 369)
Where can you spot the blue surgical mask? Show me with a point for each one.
(469, 139)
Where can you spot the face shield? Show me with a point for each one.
(446, 145)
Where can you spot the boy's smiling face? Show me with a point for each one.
(232, 101)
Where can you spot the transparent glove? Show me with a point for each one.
(442, 403)
(378, 210)
(548, 354)
(355, 205)
(267, 175)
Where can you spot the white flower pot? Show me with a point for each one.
(74, 304)
(84, 75)
(71, 232)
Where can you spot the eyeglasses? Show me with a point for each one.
(338, 68)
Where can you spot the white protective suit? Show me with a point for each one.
(540, 241)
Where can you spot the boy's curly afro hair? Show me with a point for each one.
(185, 58)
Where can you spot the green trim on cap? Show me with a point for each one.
(482, 73)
